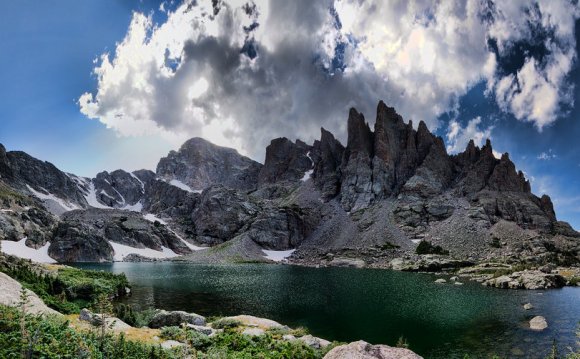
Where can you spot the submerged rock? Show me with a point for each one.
(538, 323)
(364, 350)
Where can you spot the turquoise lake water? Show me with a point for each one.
(378, 306)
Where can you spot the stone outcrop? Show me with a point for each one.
(200, 164)
(10, 296)
(327, 156)
(120, 188)
(84, 235)
(364, 350)
(285, 161)
(356, 186)
(221, 214)
(528, 279)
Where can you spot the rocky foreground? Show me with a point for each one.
(173, 330)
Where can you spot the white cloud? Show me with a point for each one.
(537, 91)
(241, 74)
(547, 155)
(458, 137)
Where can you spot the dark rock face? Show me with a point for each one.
(356, 163)
(5, 170)
(119, 188)
(221, 214)
(200, 164)
(327, 156)
(83, 235)
(44, 177)
(285, 161)
(169, 201)
(280, 228)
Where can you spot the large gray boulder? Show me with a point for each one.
(171, 319)
(364, 350)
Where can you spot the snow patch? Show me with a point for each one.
(416, 241)
(52, 198)
(137, 207)
(20, 249)
(141, 182)
(121, 251)
(91, 197)
(308, 173)
(183, 186)
(277, 256)
(152, 218)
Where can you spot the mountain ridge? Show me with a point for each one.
(389, 187)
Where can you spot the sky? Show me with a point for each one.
(104, 84)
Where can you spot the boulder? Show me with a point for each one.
(440, 281)
(171, 319)
(10, 296)
(364, 350)
(528, 306)
(314, 342)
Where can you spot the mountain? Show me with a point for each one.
(375, 199)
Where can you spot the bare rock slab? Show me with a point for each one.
(364, 350)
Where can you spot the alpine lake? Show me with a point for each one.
(378, 306)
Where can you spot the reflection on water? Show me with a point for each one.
(379, 306)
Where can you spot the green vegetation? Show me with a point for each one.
(226, 323)
(425, 247)
(64, 289)
(495, 243)
(51, 337)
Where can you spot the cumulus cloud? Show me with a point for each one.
(240, 73)
(458, 137)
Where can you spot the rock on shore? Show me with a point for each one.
(364, 350)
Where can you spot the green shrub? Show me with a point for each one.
(51, 337)
(198, 340)
(226, 323)
(425, 247)
(173, 333)
(67, 290)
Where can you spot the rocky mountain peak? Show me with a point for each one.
(327, 156)
(5, 170)
(285, 161)
(199, 164)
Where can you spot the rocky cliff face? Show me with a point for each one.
(285, 161)
(200, 164)
(375, 198)
(86, 235)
